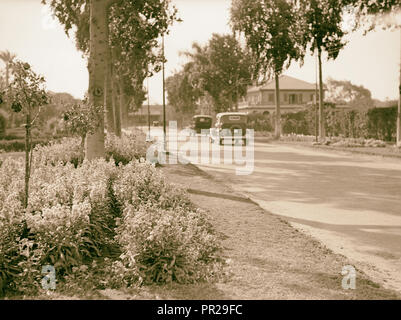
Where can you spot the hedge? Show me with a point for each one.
(18, 145)
(375, 123)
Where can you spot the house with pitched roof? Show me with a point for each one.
(295, 95)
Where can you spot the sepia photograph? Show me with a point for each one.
(198, 156)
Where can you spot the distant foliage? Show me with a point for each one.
(259, 122)
(375, 123)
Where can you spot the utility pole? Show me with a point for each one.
(399, 105)
(147, 87)
(315, 104)
(322, 131)
(164, 101)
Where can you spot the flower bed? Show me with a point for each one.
(82, 211)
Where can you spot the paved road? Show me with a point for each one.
(351, 203)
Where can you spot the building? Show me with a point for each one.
(295, 95)
(140, 116)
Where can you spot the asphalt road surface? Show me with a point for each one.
(351, 203)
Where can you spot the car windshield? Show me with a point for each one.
(202, 120)
(233, 118)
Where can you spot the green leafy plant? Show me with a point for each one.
(82, 119)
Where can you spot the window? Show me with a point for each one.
(293, 99)
(271, 97)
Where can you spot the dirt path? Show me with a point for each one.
(267, 258)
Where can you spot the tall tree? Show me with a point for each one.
(344, 92)
(180, 92)
(220, 69)
(373, 13)
(321, 21)
(96, 22)
(270, 30)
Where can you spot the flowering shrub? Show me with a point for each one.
(297, 137)
(95, 210)
(64, 151)
(162, 246)
(11, 220)
(139, 183)
(353, 142)
(68, 221)
(129, 147)
(162, 236)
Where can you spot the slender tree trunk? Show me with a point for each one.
(399, 110)
(94, 144)
(322, 131)
(116, 107)
(124, 112)
(277, 130)
(123, 105)
(108, 101)
(27, 150)
(83, 143)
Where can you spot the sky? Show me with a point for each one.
(28, 30)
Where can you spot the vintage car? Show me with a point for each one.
(230, 128)
(201, 122)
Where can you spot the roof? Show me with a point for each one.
(231, 114)
(285, 83)
(202, 116)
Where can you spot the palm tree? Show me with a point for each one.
(7, 58)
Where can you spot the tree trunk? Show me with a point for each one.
(123, 106)
(277, 130)
(27, 150)
(116, 107)
(123, 102)
(98, 29)
(322, 131)
(108, 101)
(82, 147)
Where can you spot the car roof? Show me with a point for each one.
(231, 114)
(201, 116)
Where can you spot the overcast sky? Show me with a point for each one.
(27, 29)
